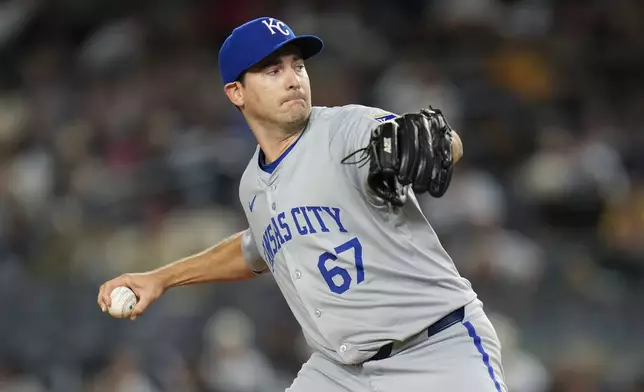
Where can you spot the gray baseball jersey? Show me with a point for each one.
(356, 273)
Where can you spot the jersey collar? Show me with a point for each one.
(270, 167)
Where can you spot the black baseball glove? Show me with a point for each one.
(413, 150)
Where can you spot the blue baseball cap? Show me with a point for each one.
(253, 41)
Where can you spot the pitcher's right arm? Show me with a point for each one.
(233, 259)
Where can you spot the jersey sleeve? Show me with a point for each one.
(251, 255)
(351, 130)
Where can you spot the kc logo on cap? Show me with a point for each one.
(276, 24)
(253, 41)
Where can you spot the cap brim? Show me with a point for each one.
(309, 45)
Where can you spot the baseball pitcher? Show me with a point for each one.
(331, 198)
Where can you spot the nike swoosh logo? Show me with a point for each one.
(252, 203)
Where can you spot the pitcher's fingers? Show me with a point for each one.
(105, 294)
(141, 306)
(99, 300)
(106, 289)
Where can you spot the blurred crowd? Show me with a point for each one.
(119, 153)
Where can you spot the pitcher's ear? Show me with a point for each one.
(235, 92)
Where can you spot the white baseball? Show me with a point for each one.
(123, 301)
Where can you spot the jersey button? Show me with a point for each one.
(273, 206)
(318, 313)
(298, 274)
(343, 348)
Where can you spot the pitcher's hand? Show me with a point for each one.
(147, 287)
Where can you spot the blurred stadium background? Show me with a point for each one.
(119, 153)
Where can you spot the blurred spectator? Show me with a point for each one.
(475, 198)
(502, 255)
(413, 83)
(580, 369)
(230, 362)
(570, 180)
(621, 233)
(460, 13)
(522, 370)
(123, 374)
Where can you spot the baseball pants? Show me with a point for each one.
(463, 357)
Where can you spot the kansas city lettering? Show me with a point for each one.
(298, 221)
